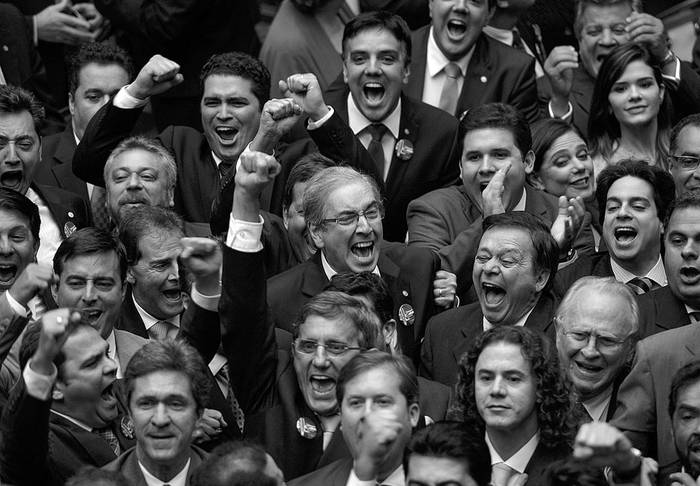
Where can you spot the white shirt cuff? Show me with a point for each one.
(676, 78)
(567, 115)
(317, 124)
(206, 302)
(244, 236)
(16, 307)
(124, 100)
(39, 386)
(353, 480)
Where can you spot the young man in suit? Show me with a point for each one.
(61, 212)
(684, 157)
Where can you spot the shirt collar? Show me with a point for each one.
(149, 321)
(502, 35)
(396, 478)
(521, 322)
(330, 271)
(519, 460)
(75, 421)
(521, 203)
(597, 406)
(359, 122)
(436, 60)
(657, 272)
(217, 160)
(112, 352)
(180, 479)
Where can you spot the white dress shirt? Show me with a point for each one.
(396, 478)
(597, 407)
(657, 273)
(435, 76)
(49, 234)
(521, 458)
(180, 478)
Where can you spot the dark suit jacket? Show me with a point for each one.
(496, 73)
(596, 265)
(434, 163)
(407, 271)
(642, 402)
(540, 461)
(56, 167)
(68, 210)
(334, 474)
(40, 447)
(452, 333)
(660, 310)
(127, 464)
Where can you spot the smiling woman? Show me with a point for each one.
(629, 116)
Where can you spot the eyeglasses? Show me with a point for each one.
(372, 214)
(687, 162)
(309, 346)
(602, 343)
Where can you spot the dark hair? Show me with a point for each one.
(543, 243)
(89, 241)
(308, 6)
(571, 472)
(14, 201)
(544, 133)
(381, 19)
(684, 377)
(603, 127)
(690, 120)
(373, 359)
(148, 220)
(241, 65)
(307, 167)
(689, 199)
(497, 115)
(366, 284)
(448, 439)
(660, 181)
(14, 99)
(169, 355)
(338, 305)
(582, 5)
(99, 53)
(237, 463)
(91, 475)
(553, 400)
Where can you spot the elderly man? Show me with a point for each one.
(600, 26)
(457, 67)
(633, 197)
(684, 158)
(496, 159)
(61, 212)
(166, 388)
(597, 324)
(376, 435)
(514, 267)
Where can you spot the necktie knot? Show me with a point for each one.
(501, 473)
(224, 167)
(518, 40)
(642, 285)
(109, 437)
(452, 70)
(162, 330)
(377, 131)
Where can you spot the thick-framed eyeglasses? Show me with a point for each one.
(309, 346)
(686, 162)
(601, 343)
(372, 214)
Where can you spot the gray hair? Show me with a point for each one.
(582, 5)
(149, 145)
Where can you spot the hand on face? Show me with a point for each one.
(32, 280)
(492, 196)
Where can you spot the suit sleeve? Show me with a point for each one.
(426, 225)
(201, 329)
(458, 257)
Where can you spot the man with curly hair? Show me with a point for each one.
(510, 390)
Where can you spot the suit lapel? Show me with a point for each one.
(416, 79)
(670, 312)
(477, 77)
(66, 147)
(92, 444)
(474, 325)
(536, 203)
(408, 129)
(130, 319)
(541, 317)
(314, 279)
(64, 175)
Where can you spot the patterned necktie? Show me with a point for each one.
(450, 88)
(642, 285)
(161, 330)
(111, 438)
(224, 167)
(501, 473)
(100, 216)
(375, 149)
(231, 397)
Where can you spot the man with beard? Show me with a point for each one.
(20, 146)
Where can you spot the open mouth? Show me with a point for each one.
(92, 315)
(493, 294)
(625, 234)
(8, 272)
(322, 385)
(363, 249)
(456, 28)
(482, 185)
(173, 295)
(12, 179)
(374, 92)
(227, 134)
(588, 368)
(580, 183)
(689, 275)
(107, 395)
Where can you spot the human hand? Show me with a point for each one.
(33, 279)
(649, 30)
(600, 444)
(559, 68)
(444, 288)
(306, 92)
(157, 76)
(278, 116)
(492, 195)
(202, 258)
(568, 223)
(54, 332)
(209, 426)
(377, 432)
(54, 24)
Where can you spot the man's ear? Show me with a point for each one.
(130, 276)
(345, 72)
(542, 279)
(316, 233)
(414, 413)
(71, 103)
(529, 161)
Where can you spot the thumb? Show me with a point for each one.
(62, 4)
(563, 204)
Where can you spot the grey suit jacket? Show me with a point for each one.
(128, 465)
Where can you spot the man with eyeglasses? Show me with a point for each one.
(596, 326)
(344, 212)
(685, 154)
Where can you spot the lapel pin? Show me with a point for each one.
(69, 228)
(5, 48)
(404, 293)
(407, 314)
(306, 428)
(70, 214)
(483, 79)
(404, 149)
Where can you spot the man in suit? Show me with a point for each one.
(63, 413)
(684, 151)
(496, 159)
(511, 391)
(410, 147)
(376, 435)
(343, 212)
(238, 462)
(457, 67)
(166, 388)
(515, 264)
(97, 72)
(633, 198)
(599, 27)
(61, 212)
(597, 324)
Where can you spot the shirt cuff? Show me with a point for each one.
(206, 302)
(16, 307)
(676, 78)
(39, 386)
(569, 111)
(124, 100)
(353, 480)
(318, 124)
(244, 236)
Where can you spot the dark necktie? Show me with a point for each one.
(642, 285)
(450, 89)
(100, 216)
(109, 437)
(375, 149)
(224, 167)
(518, 41)
(235, 407)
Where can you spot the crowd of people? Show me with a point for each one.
(357, 253)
